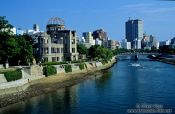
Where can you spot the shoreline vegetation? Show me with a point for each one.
(49, 84)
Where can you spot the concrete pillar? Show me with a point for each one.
(6, 65)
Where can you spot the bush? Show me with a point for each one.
(13, 75)
(49, 70)
(54, 63)
(79, 61)
(104, 62)
(81, 66)
(68, 68)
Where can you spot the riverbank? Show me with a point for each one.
(169, 59)
(49, 84)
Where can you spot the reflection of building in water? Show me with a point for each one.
(63, 99)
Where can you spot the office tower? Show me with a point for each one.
(36, 27)
(134, 31)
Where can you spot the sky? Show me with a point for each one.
(88, 15)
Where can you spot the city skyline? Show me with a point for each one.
(87, 16)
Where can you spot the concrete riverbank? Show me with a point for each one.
(169, 59)
(49, 84)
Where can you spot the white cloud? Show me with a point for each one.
(162, 10)
(134, 6)
(148, 8)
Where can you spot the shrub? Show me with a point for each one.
(54, 63)
(49, 70)
(68, 68)
(104, 62)
(81, 66)
(13, 75)
(79, 61)
(85, 66)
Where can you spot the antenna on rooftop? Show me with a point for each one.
(129, 18)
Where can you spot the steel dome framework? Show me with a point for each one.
(56, 20)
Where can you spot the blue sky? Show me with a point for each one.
(88, 15)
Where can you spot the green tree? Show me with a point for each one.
(14, 49)
(26, 50)
(4, 25)
(97, 52)
(82, 49)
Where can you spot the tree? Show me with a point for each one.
(98, 52)
(14, 49)
(26, 50)
(82, 49)
(4, 25)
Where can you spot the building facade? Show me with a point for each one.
(112, 44)
(89, 38)
(57, 44)
(134, 31)
(101, 36)
(125, 44)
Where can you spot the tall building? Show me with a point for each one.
(19, 31)
(173, 43)
(98, 42)
(173, 40)
(168, 42)
(36, 27)
(112, 44)
(134, 31)
(101, 35)
(145, 41)
(137, 44)
(154, 42)
(125, 44)
(88, 37)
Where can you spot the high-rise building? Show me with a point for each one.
(153, 42)
(101, 35)
(112, 44)
(134, 31)
(36, 27)
(19, 31)
(173, 40)
(137, 44)
(88, 37)
(168, 42)
(125, 44)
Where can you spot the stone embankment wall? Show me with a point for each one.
(2, 79)
(51, 83)
(29, 74)
(35, 72)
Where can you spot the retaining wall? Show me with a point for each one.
(22, 84)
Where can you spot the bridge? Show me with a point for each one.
(132, 56)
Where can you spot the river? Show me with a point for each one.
(127, 85)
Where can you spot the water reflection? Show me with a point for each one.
(104, 78)
(60, 101)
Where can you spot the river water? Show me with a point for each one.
(127, 85)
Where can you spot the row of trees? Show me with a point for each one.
(167, 49)
(14, 49)
(95, 52)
